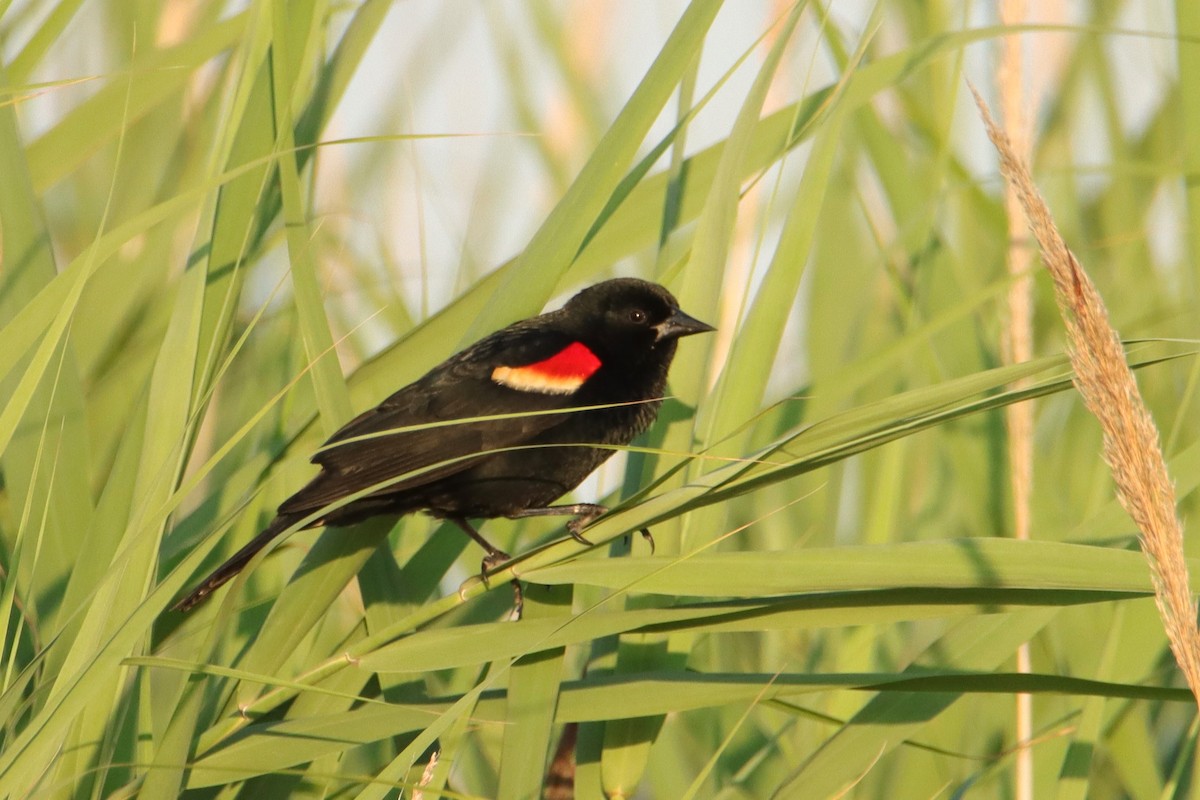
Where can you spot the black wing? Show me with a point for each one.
(461, 388)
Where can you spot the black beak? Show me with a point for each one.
(679, 324)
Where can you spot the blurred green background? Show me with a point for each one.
(227, 227)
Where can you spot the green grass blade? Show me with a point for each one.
(556, 244)
(533, 689)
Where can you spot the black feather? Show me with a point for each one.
(427, 448)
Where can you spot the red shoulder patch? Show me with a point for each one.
(561, 373)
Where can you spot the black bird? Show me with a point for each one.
(610, 345)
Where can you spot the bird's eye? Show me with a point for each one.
(637, 316)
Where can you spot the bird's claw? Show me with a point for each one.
(490, 562)
(575, 526)
(495, 559)
(649, 539)
(518, 600)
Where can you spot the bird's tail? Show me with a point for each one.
(236, 563)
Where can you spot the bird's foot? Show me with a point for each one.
(574, 527)
(492, 560)
(495, 559)
(586, 514)
(590, 514)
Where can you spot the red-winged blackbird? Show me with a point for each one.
(610, 345)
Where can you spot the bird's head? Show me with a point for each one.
(627, 319)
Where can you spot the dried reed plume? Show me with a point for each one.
(1131, 445)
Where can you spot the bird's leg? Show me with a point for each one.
(495, 555)
(494, 558)
(585, 514)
